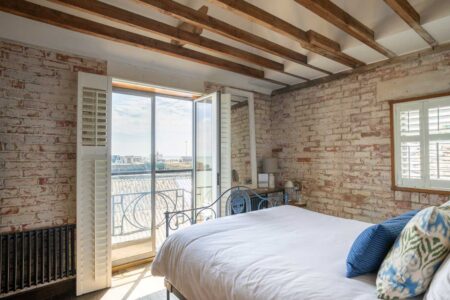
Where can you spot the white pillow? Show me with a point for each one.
(440, 285)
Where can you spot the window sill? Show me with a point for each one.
(419, 190)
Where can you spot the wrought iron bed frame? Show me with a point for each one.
(238, 200)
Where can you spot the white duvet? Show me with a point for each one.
(284, 252)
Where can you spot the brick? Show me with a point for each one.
(9, 210)
(17, 182)
(303, 159)
(336, 138)
(38, 90)
(11, 46)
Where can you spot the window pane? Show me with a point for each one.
(173, 134)
(131, 184)
(410, 123)
(440, 160)
(439, 120)
(410, 160)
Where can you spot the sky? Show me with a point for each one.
(131, 126)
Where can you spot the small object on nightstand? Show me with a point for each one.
(298, 193)
(263, 180)
(270, 167)
(289, 189)
(295, 203)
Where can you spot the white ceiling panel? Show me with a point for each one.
(389, 29)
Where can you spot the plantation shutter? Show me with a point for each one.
(408, 140)
(93, 183)
(422, 143)
(225, 146)
(438, 114)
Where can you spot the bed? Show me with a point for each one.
(283, 252)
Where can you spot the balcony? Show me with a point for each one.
(131, 202)
(132, 211)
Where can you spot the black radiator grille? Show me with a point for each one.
(35, 257)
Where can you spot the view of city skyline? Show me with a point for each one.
(131, 126)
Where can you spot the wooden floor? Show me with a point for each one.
(136, 283)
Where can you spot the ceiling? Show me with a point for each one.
(389, 29)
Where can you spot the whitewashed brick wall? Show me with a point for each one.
(38, 134)
(335, 137)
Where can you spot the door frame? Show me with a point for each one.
(153, 98)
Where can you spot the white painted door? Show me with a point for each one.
(207, 151)
(93, 183)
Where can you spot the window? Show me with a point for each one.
(421, 158)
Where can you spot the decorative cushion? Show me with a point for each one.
(440, 285)
(417, 253)
(372, 245)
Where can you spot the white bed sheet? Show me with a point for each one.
(284, 252)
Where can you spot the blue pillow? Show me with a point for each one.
(373, 244)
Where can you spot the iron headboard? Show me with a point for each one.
(237, 201)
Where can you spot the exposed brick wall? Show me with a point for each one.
(335, 137)
(38, 134)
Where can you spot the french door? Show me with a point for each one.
(206, 149)
(212, 173)
(152, 169)
(132, 176)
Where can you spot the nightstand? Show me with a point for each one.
(293, 203)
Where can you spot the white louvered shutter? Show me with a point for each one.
(93, 182)
(422, 143)
(438, 114)
(410, 144)
(225, 146)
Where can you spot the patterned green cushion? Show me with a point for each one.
(417, 253)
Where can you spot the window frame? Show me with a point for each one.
(424, 140)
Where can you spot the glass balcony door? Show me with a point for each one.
(152, 169)
(132, 177)
(206, 152)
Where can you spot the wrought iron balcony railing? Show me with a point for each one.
(132, 205)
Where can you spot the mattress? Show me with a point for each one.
(283, 252)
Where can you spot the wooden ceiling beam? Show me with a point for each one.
(50, 16)
(190, 28)
(321, 44)
(344, 21)
(412, 18)
(364, 69)
(190, 15)
(126, 17)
